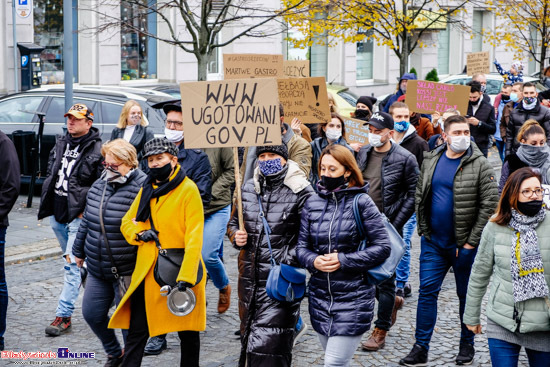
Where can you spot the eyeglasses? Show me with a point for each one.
(528, 193)
(175, 123)
(111, 165)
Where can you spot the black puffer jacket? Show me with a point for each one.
(486, 116)
(399, 176)
(518, 116)
(267, 326)
(90, 243)
(341, 303)
(197, 167)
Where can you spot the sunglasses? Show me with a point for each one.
(111, 165)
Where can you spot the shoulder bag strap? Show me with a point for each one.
(267, 229)
(157, 242)
(114, 269)
(359, 221)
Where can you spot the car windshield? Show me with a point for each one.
(348, 96)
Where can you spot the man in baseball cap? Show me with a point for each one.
(80, 111)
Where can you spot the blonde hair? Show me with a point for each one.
(123, 119)
(529, 127)
(123, 152)
(334, 107)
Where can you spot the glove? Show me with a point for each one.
(182, 286)
(148, 235)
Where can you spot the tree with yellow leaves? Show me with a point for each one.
(398, 24)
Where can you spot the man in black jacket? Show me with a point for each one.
(74, 165)
(481, 117)
(391, 172)
(9, 190)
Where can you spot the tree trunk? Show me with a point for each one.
(202, 66)
(404, 56)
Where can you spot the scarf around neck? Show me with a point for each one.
(527, 268)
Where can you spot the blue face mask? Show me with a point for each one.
(270, 167)
(401, 126)
(514, 97)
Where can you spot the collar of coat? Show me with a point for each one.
(295, 178)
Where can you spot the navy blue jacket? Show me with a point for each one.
(197, 167)
(341, 302)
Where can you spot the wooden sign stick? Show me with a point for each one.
(238, 188)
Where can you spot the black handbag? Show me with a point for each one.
(169, 262)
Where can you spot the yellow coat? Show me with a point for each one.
(179, 218)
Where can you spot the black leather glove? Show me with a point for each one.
(182, 286)
(148, 235)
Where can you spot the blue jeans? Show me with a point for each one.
(504, 354)
(98, 297)
(435, 261)
(215, 226)
(501, 146)
(339, 350)
(404, 268)
(66, 235)
(3, 287)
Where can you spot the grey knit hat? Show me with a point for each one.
(159, 146)
(281, 150)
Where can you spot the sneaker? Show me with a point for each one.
(400, 292)
(417, 357)
(396, 307)
(407, 290)
(237, 333)
(225, 299)
(465, 355)
(155, 345)
(59, 326)
(376, 341)
(300, 333)
(114, 361)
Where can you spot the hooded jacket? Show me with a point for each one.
(341, 302)
(9, 179)
(518, 116)
(267, 326)
(414, 144)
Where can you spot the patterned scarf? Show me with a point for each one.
(527, 268)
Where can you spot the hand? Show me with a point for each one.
(435, 116)
(473, 121)
(467, 246)
(81, 215)
(356, 146)
(295, 125)
(476, 329)
(241, 238)
(545, 102)
(182, 286)
(79, 261)
(327, 263)
(148, 235)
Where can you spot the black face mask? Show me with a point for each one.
(161, 173)
(505, 98)
(530, 208)
(332, 183)
(362, 114)
(473, 103)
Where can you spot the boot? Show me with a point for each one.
(396, 307)
(225, 299)
(376, 341)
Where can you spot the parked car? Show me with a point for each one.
(22, 126)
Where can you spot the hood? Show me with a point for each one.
(408, 76)
(410, 131)
(295, 179)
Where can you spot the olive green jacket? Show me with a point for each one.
(223, 177)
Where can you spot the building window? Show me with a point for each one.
(48, 32)
(364, 60)
(443, 49)
(477, 25)
(138, 51)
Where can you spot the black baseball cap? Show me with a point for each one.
(174, 105)
(381, 120)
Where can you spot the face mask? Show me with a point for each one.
(505, 98)
(530, 100)
(174, 136)
(483, 88)
(459, 144)
(514, 97)
(530, 208)
(332, 183)
(270, 167)
(333, 134)
(161, 173)
(376, 140)
(362, 114)
(110, 174)
(135, 119)
(473, 103)
(403, 88)
(401, 126)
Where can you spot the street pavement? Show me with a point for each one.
(35, 274)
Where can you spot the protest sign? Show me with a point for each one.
(231, 113)
(427, 97)
(296, 68)
(243, 66)
(355, 131)
(305, 99)
(478, 62)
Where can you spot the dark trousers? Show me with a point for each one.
(139, 333)
(3, 288)
(435, 261)
(504, 354)
(385, 293)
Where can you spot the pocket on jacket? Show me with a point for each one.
(493, 295)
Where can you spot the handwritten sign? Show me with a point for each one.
(296, 68)
(231, 113)
(304, 98)
(355, 131)
(478, 62)
(243, 66)
(427, 97)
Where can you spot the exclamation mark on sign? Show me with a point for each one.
(316, 91)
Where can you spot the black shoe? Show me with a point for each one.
(114, 361)
(465, 355)
(237, 333)
(407, 290)
(417, 357)
(155, 345)
(400, 292)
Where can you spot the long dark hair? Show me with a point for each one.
(510, 194)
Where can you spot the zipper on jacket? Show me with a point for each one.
(330, 251)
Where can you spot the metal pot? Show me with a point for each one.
(179, 303)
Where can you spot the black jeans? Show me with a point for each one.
(139, 333)
(385, 293)
(3, 288)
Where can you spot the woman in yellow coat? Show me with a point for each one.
(174, 203)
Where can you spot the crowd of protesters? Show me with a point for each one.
(316, 203)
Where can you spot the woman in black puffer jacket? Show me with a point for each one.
(341, 303)
(267, 326)
(114, 192)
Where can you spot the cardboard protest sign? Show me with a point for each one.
(355, 131)
(427, 97)
(231, 113)
(243, 66)
(304, 98)
(478, 62)
(296, 68)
